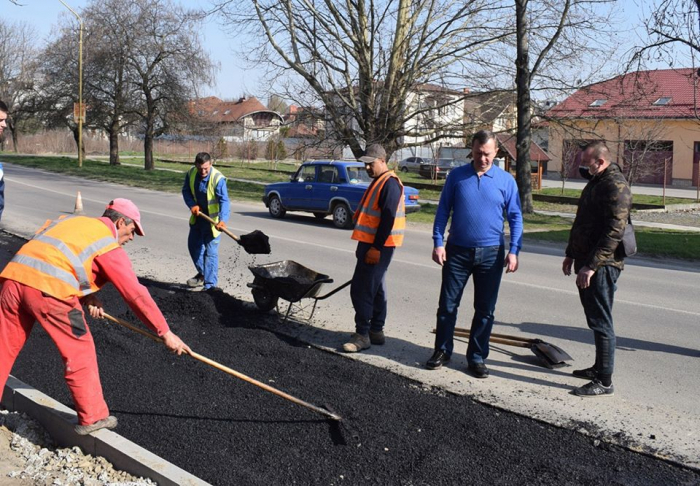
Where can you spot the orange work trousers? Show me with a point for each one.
(64, 321)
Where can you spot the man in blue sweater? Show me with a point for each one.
(476, 196)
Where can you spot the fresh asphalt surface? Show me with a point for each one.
(394, 430)
(655, 407)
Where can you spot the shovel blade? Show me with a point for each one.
(255, 243)
(550, 355)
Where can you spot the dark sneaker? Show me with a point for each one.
(106, 423)
(594, 389)
(438, 359)
(377, 337)
(196, 281)
(478, 370)
(357, 342)
(213, 290)
(587, 374)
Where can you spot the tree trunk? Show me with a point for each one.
(114, 146)
(522, 81)
(15, 141)
(148, 147)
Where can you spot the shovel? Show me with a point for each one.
(328, 414)
(550, 355)
(254, 243)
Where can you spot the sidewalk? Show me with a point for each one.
(635, 222)
(684, 192)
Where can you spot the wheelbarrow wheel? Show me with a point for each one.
(264, 299)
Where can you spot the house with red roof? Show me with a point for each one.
(246, 119)
(649, 119)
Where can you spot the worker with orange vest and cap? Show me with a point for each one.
(380, 220)
(49, 280)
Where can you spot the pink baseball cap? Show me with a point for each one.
(128, 209)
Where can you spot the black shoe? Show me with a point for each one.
(478, 370)
(377, 337)
(438, 359)
(213, 290)
(594, 389)
(587, 374)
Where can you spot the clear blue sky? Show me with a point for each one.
(233, 79)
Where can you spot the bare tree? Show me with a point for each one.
(18, 65)
(669, 24)
(556, 34)
(363, 62)
(167, 62)
(109, 83)
(645, 150)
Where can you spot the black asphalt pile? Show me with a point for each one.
(394, 432)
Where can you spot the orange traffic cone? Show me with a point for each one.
(78, 205)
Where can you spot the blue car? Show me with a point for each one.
(325, 187)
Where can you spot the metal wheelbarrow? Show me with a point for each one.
(288, 280)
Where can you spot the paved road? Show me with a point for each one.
(657, 312)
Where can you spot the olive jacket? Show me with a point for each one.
(602, 215)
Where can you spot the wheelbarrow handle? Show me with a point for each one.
(334, 291)
(225, 230)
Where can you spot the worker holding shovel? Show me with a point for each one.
(49, 280)
(205, 191)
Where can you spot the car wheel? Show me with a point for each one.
(320, 215)
(276, 208)
(264, 300)
(404, 169)
(342, 218)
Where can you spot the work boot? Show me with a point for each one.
(377, 337)
(196, 281)
(106, 423)
(357, 342)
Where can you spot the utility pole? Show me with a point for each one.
(81, 108)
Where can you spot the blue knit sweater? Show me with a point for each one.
(477, 206)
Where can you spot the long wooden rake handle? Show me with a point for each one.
(233, 372)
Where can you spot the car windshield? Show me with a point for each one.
(358, 175)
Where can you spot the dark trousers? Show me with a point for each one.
(597, 301)
(368, 290)
(485, 265)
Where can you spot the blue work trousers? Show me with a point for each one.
(204, 251)
(485, 265)
(368, 290)
(597, 301)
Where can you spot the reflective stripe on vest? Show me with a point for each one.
(212, 201)
(368, 214)
(58, 260)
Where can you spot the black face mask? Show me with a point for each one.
(585, 172)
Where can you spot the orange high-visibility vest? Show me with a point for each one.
(369, 214)
(58, 259)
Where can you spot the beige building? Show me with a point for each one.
(650, 121)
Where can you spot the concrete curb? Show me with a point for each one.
(59, 420)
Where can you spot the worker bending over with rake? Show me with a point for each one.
(48, 281)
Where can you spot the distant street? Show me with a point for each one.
(656, 312)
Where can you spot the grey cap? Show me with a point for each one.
(374, 151)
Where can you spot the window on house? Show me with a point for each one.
(227, 112)
(599, 102)
(664, 100)
(215, 112)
